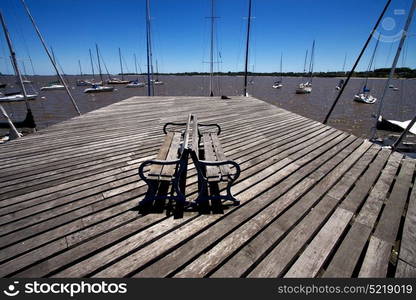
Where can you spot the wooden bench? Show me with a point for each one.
(170, 164)
(215, 167)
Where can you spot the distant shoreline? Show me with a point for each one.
(317, 75)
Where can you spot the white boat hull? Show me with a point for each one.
(17, 98)
(304, 88)
(135, 85)
(52, 87)
(277, 86)
(99, 89)
(362, 98)
(115, 81)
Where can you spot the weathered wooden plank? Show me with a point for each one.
(406, 266)
(379, 250)
(376, 259)
(388, 225)
(281, 256)
(348, 253)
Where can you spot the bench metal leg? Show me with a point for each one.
(230, 195)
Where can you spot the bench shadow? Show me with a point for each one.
(164, 205)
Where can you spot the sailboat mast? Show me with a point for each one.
(211, 60)
(157, 72)
(121, 63)
(31, 65)
(392, 71)
(135, 66)
(345, 61)
(92, 64)
(371, 62)
(306, 60)
(247, 47)
(149, 51)
(24, 67)
(311, 62)
(14, 61)
(50, 57)
(53, 55)
(281, 67)
(99, 63)
(80, 69)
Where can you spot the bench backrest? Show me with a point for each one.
(195, 136)
(186, 134)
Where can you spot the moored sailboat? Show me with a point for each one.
(117, 80)
(365, 96)
(22, 95)
(135, 83)
(95, 88)
(53, 86)
(279, 83)
(306, 87)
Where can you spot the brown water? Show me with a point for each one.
(349, 115)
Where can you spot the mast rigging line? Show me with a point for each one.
(247, 47)
(150, 87)
(357, 61)
(50, 57)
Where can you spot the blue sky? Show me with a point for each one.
(181, 33)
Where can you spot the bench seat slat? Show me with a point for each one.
(163, 152)
(212, 172)
(169, 170)
(219, 153)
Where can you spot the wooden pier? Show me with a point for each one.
(315, 201)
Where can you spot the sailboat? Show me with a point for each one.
(95, 88)
(278, 84)
(82, 82)
(157, 81)
(135, 83)
(365, 96)
(117, 80)
(56, 85)
(20, 96)
(306, 87)
(341, 82)
(340, 85)
(53, 86)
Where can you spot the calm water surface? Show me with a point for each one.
(349, 116)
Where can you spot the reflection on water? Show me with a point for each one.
(349, 116)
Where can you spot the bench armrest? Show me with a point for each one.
(155, 162)
(171, 124)
(211, 125)
(224, 162)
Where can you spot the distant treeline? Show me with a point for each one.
(378, 73)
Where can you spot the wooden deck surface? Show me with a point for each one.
(315, 202)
